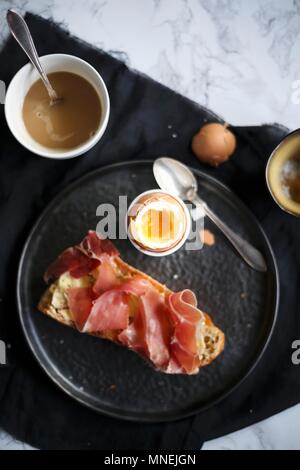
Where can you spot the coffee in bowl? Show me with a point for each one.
(67, 123)
(78, 122)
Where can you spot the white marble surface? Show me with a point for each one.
(239, 58)
(280, 432)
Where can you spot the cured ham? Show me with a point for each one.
(81, 259)
(150, 331)
(80, 304)
(187, 319)
(110, 311)
(107, 277)
(95, 247)
(106, 297)
(72, 260)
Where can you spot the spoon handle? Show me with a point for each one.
(249, 253)
(21, 33)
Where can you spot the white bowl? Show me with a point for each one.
(20, 85)
(187, 229)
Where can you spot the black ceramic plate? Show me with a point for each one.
(112, 379)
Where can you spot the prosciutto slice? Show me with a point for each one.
(81, 259)
(109, 312)
(80, 304)
(107, 277)
(150, 331)
(157, 328)
(95, 247)
(187, 320)
(72, 260)
(105, 306)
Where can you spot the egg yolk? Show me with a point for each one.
(157, 225)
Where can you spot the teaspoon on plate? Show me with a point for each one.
(176, 178)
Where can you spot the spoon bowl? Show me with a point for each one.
(175, 177)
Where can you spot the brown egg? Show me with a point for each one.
(214, 143)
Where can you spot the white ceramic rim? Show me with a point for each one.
(187, 230)
(77, 151)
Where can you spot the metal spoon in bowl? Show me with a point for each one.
(21, 33)
(176, 178)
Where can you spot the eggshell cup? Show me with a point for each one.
(173, 249)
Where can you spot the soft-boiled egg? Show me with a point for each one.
(158, 223)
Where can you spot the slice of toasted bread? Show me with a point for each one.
(54, 303)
